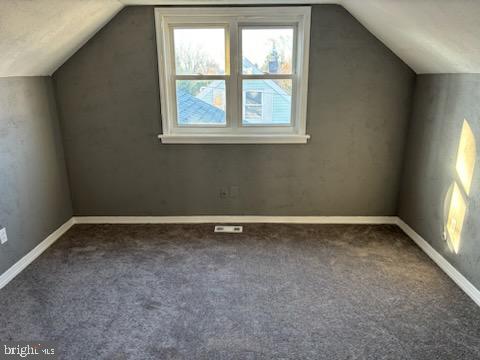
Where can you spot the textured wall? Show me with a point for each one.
(359, 104)
(442, 103)
(34, 193)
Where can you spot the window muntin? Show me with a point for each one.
(202, 97)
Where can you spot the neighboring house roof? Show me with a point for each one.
(255, 70)
(215, 84)
(194, 110)
(247, 64)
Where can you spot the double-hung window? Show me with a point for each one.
(233, 75)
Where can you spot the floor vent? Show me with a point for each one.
(228, 229)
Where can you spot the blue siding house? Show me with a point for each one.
(264, 101)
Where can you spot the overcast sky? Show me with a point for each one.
(257, 44)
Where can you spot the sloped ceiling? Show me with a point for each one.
(37, 36)
(431, 36)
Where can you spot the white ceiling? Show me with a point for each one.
(37, 36)
(431, 36)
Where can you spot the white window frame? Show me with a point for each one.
(233, 19)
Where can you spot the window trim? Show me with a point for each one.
(233, 19)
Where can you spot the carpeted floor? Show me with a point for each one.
(273, 292)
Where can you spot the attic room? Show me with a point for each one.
(221, 179)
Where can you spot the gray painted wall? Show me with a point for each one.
(442, 102)
(34, 193)
(359, 104)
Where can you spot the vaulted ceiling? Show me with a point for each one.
(431, 36)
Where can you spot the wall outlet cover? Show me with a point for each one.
(3, 235)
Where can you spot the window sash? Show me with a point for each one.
(234, 119)
(268, 76)
(174, 76)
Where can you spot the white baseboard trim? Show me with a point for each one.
(21, 264)
(235, 219)
(448, 268)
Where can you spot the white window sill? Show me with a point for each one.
(234, 139)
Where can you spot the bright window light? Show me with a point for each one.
(466, 157)
(456, 217)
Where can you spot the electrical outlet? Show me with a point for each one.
(3, 235)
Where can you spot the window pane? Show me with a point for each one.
(267, 102)
(199, 51)
(267, 51)
(200, 102)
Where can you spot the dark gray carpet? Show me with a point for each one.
(273, 292)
